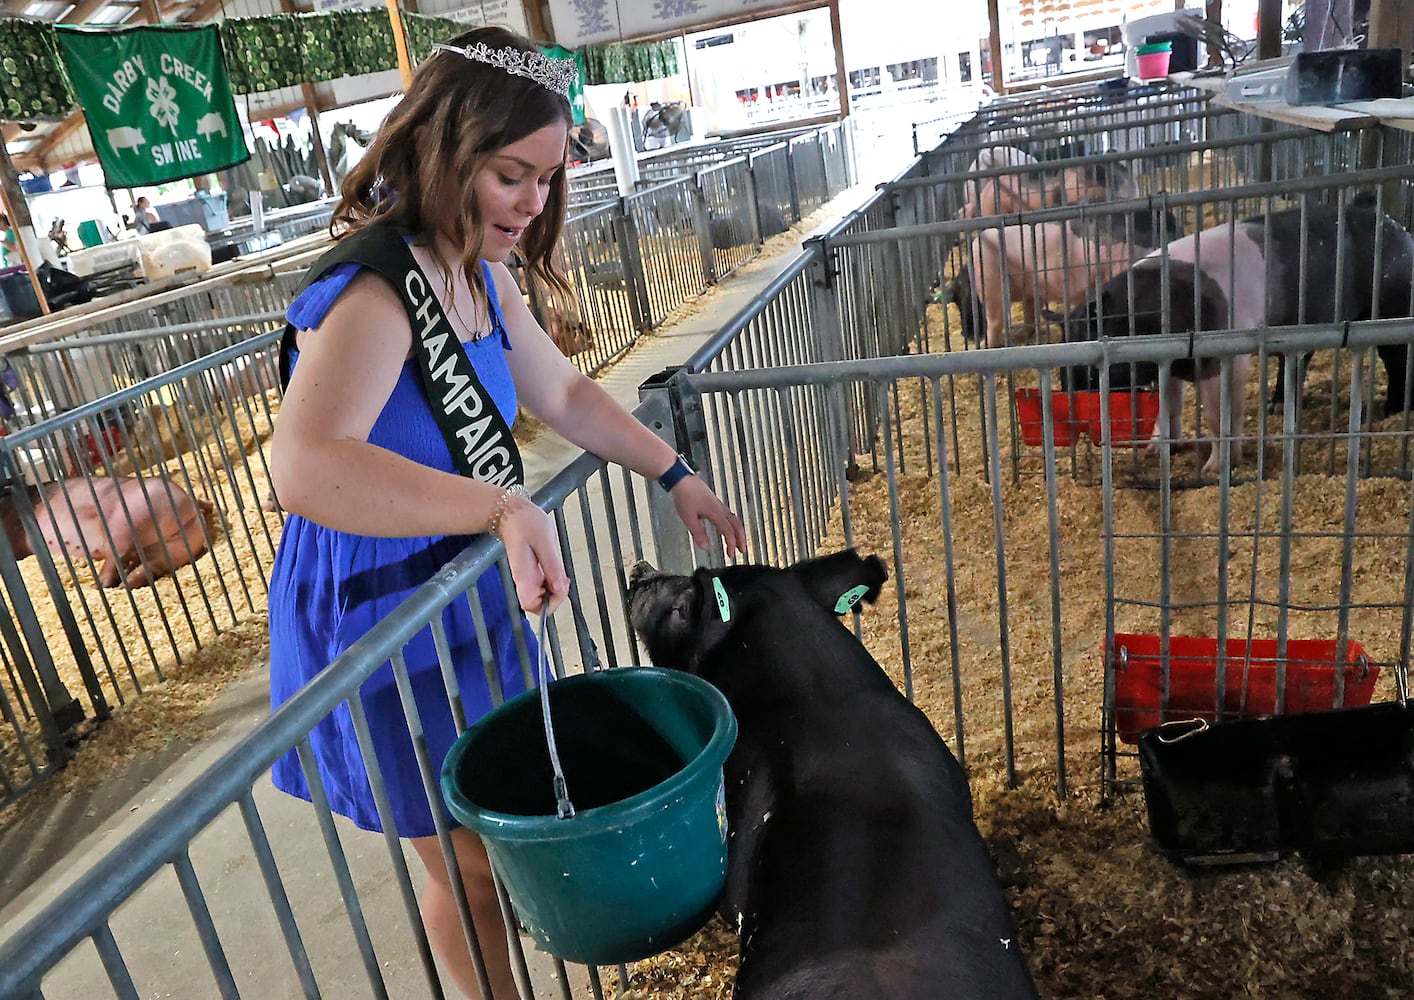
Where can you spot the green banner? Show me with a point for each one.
(157, 101)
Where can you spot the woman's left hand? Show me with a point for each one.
(695, 502)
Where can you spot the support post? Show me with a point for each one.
(20, 222)
(1391, 27)
(400, 42)
(702, 223)
(676, 416)
(994, 39)
(621, 150)
(55, 708)
(829, 334)
(535, 21)
(794, 184)
(321, 155)
(631, 260)
(1213, 11)
(1268, 29)
(841, 75)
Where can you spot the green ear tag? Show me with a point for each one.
(850, 598)
(724, 607)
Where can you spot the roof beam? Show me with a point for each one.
(83, 11)
(53, 137)
(17, 7)
(203, 11)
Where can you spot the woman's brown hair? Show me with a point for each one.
(457, 113)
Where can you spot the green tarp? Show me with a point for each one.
(32, 83)
(264, 53)
(423, 32)
(628, 62)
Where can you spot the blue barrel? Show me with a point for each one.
(17, 293)
(640, 865)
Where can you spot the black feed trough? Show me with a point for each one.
(1328, 785)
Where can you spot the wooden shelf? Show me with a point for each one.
(1396, 113)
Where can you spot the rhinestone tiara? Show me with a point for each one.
(553, 74)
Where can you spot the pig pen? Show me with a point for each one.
(996, 618)
(1219, 168)
(634, 261)
(1000, 624)
(139, 522)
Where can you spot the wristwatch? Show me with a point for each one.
(676, 473)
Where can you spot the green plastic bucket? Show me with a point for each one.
(640, 864)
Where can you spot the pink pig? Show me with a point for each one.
(167, 529)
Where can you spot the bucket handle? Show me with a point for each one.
(1187, 727)
(563, 807)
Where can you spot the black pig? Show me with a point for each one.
(1269, 270)
(854, 868)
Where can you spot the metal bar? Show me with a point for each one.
(255, 829)
(444, 838)
(352, 906)
(205, 926)
(950, 575)
(113, 963)
(1283, 188)
(155, 333)
(900, 588)
(401, 874)
(1048, 458)
(1003, 613)
(1095, 353)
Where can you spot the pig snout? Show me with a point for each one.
(642, 594)
(642, 572)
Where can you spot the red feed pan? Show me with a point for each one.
(1132, 417)
(1312, 666)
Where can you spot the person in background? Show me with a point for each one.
(9, 248)
(143, 215)
(466, 170)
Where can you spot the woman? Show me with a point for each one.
(468, 167)
(144, 218)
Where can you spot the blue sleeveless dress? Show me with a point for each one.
(329, 587)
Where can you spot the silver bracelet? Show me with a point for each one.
(493, 526)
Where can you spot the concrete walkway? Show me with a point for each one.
(154, 929)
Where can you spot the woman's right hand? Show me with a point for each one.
(533, 551)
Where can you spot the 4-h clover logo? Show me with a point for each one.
(163, 100)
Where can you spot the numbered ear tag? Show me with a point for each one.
(724, 607)
(850, 598)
